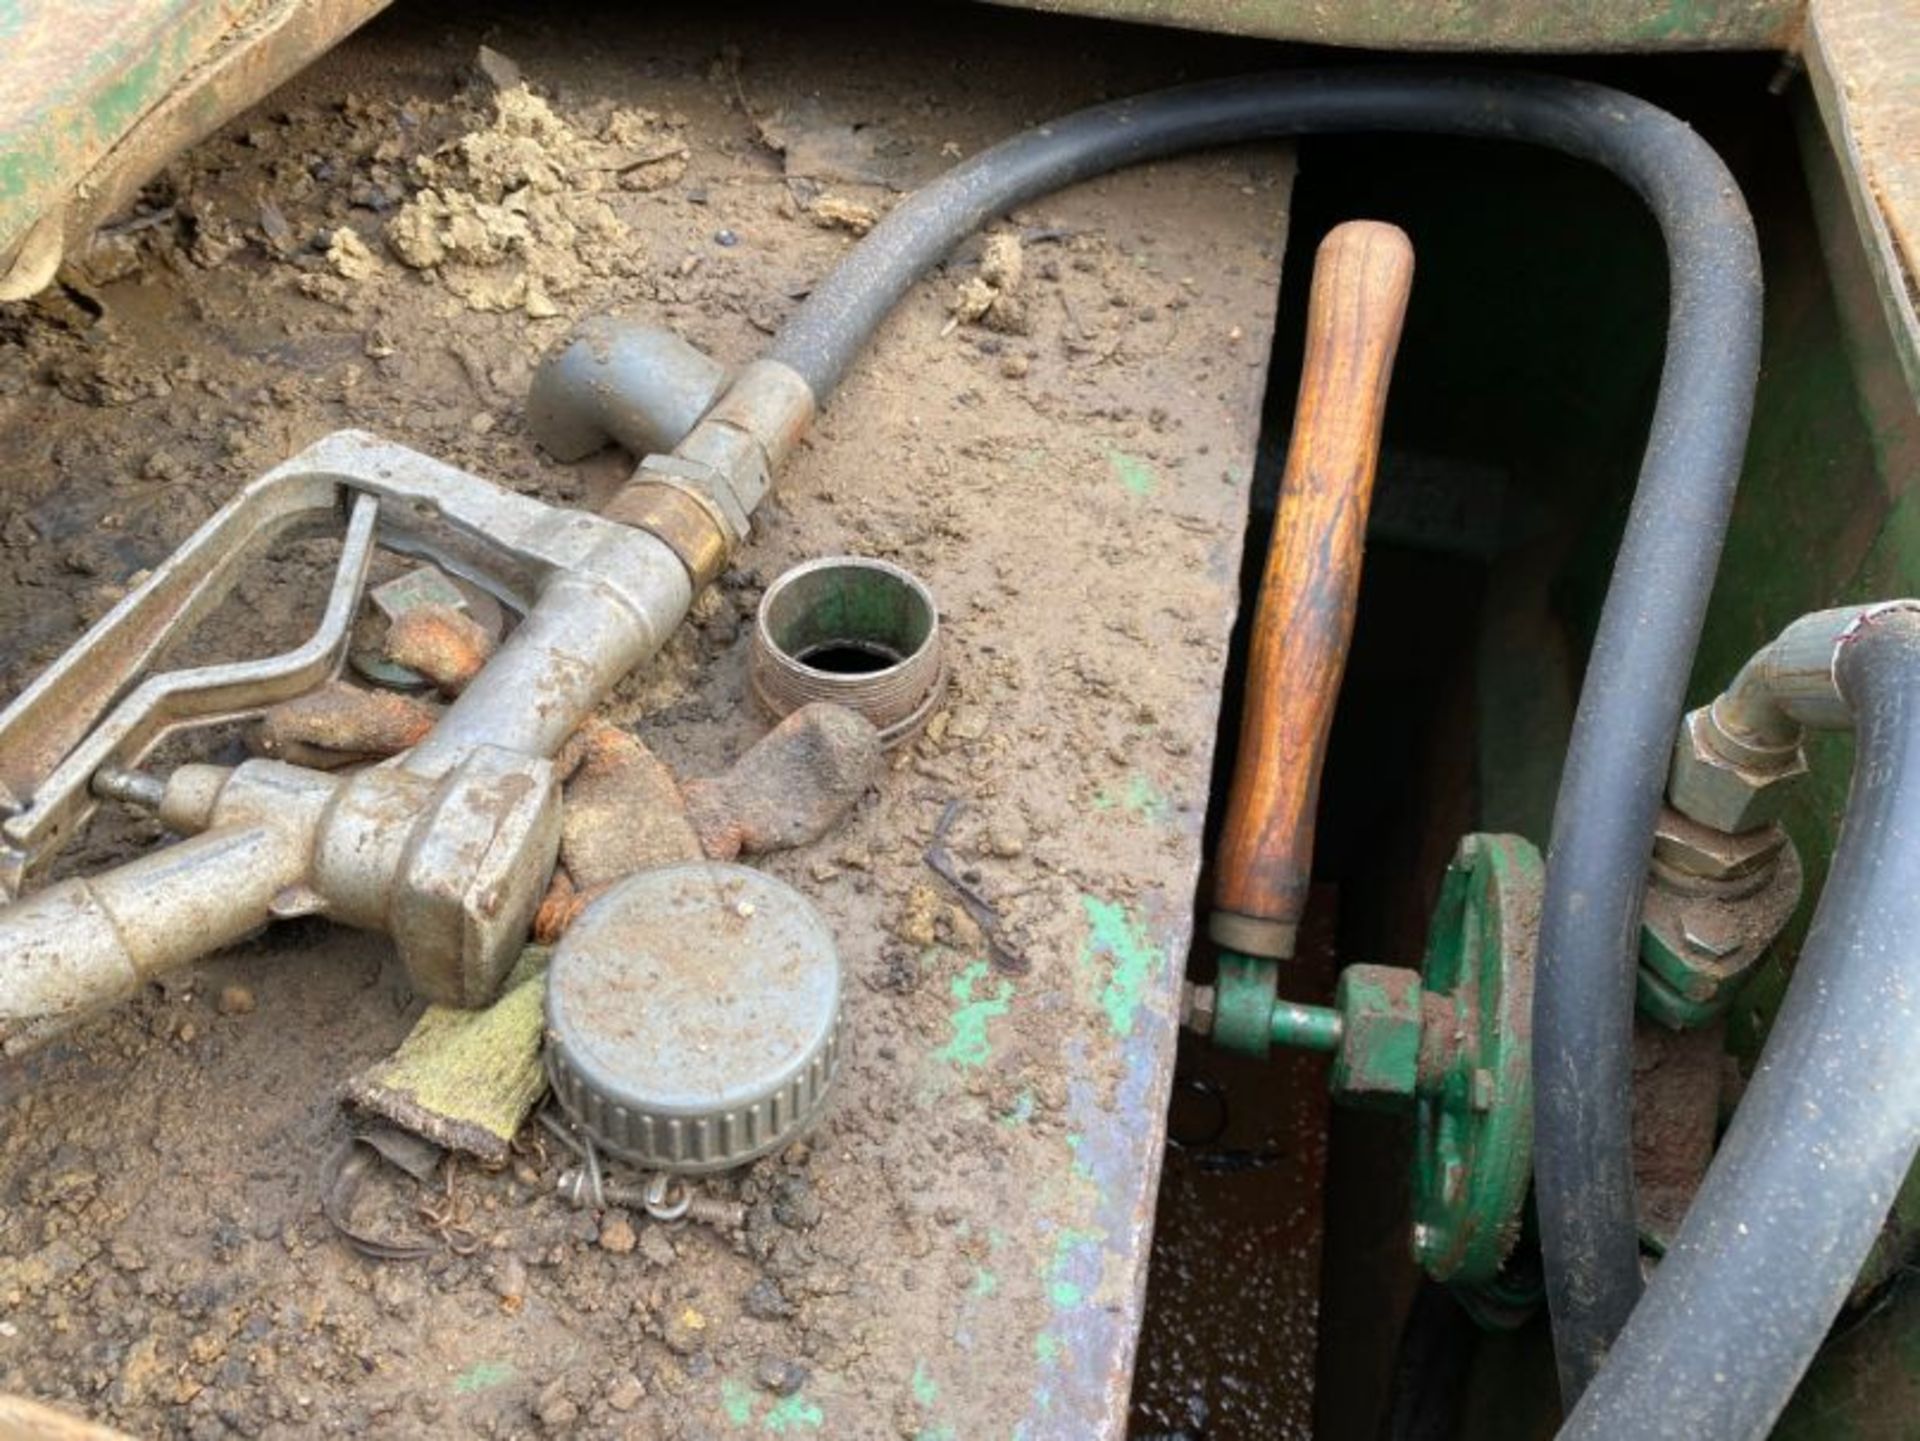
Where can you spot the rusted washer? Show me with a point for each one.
(860, 633)
(693, 1017)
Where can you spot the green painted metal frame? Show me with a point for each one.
(101, 94)
(1472, 25)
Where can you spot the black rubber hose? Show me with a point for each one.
(1643, 649)
(1825, 1133)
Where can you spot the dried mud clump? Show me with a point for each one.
(511, 215)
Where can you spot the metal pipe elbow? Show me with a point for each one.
(1737, 758)
(615, 381)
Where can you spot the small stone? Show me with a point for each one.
(779, 1374)
(1006, 844)
(765, 1303)
(685, 1331)
(555, 1409)
(347, 253)
(794, 1204)
(656, 1249)
(968, 724)
(510, 1284)
(830, 212)
(273, 224)
(918, 923)
(539, 305)
(617, 1234)
(725, 239)
(626, 1392)
(162, 465)
(235, 1001)
(1015, 367)
(501, 70)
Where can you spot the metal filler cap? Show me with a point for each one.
(693, 1017)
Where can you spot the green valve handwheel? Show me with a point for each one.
(1453, 1041)
(1473, 1147)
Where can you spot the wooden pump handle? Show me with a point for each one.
(1301, 630)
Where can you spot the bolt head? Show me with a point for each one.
(1201, 1003)
(1693, 849)
(1379, 1058)
(1709, 933)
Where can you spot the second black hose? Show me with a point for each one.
(1826, 1131)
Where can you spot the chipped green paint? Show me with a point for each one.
(85, 76)
(793, 1413)
(1020, 1112)
(970, 1047)
(788, 1414)
(736, 1399)
(985, 1283)
(1062, 1289)
(1135, 475)
(1140, 798)
(482, 1376)
(1565, 26)
(1129, 956)
(1681, 18)
(925, 1390)
(1046, 1348)
(1080, 1167)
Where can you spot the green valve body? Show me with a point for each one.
(1450, 1042)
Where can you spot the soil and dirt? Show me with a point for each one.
(1056, 432)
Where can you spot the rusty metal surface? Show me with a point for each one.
(1466, 25)
(972, 1261)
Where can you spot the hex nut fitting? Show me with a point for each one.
(1378, 1063)
(1707, 787)
(1689, 849)
(706, 483)
(1699, 941)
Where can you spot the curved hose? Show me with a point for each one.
(1827, 1130)
(1642, 651)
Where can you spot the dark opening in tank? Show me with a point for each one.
(849, 657)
